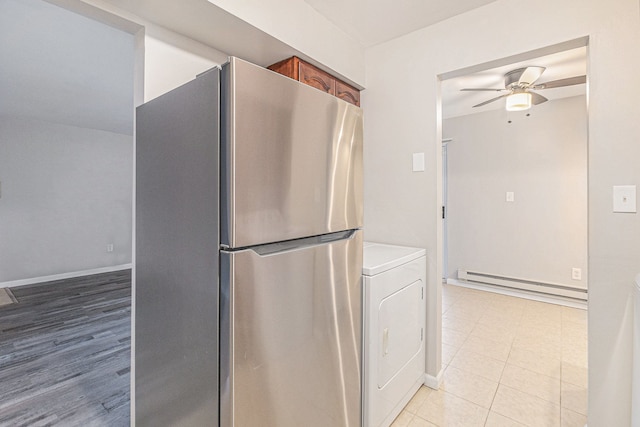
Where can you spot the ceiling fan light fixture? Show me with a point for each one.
(518, 101)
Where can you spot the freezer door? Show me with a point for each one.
(291, 159)
(290, 339)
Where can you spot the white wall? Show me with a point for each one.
(172, 60)
(66, 194)
(402, 117)
(64, 68)
(67, 80)
(258, 31)
(542, 158)
(300, 26)
(164, 59)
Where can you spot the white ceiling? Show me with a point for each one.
(375, 21)
(560, 65)
(61, 67)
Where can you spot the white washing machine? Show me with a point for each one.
(394, 317)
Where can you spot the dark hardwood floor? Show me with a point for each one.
(65, 353)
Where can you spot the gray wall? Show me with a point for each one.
(543, 160)
(66, 194)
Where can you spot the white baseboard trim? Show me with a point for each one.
(62, 276)
(434, 382)
(568, 302)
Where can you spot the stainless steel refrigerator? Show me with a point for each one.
(247, 298)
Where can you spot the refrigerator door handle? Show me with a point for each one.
(289, 245)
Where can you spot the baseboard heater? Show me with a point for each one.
(523, 284)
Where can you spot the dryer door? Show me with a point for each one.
(399, 330)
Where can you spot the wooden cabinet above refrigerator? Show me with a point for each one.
(304, 72)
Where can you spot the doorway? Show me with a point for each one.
(67, 144)
(70, 79)
(516, 181)
(482, 323)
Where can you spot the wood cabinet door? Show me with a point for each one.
(347, 93)
(288, 67)
(312, 76)
(306, 73)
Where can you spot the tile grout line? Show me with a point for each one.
(500, 381)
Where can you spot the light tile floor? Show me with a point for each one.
(508, 362)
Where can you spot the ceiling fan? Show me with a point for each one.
(519, 84)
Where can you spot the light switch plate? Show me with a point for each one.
(624, 198)
(418, 162)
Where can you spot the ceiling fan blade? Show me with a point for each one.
(562, 82)
(536, 98)
(530, 75)
(491, 100)
(482, 89)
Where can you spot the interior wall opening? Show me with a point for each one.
(71, 76)
(67, 84)
(515, 192)
(516, 197)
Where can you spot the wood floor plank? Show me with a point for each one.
(65, 350)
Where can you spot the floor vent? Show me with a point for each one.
(524, 284)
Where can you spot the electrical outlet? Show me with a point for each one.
(110, 247)
(576, 274)
(510, 197)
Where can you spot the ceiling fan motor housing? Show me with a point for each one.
(512, 78)
(519, 83)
